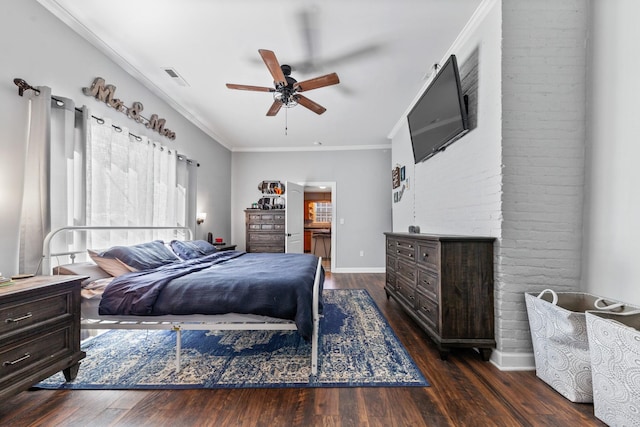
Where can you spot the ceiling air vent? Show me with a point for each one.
(176, 77)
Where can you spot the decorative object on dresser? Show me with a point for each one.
(445, 283)
(265, 230)
(39, 331)
(272, 195)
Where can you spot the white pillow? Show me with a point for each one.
(113, 266)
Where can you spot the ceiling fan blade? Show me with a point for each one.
(315, 83)
(355, 54)
(252, 88)
(311, 105)
(272, 64)
(275, 107)
(309, 29)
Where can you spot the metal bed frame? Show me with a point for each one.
(223, 322)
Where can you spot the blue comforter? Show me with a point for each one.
(275, 285)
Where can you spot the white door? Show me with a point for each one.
(294, 218)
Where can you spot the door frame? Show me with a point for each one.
(334, 210)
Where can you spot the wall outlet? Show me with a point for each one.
(361, 253)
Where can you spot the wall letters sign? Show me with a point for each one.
(105, 93)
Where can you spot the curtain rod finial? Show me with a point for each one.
(23, 85)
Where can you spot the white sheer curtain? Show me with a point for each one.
(131, 181)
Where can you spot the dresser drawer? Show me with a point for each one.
(22, 314)
(406, 271)
(392, 262)
(274, 238)
(265, 248)
(428, 255)
(402, 248)
(428, 284)
(406, 249)
(391, 280)
(427, 310)
(405, 291)
(38, 349)
(272, 218)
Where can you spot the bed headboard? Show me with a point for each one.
(46, 245)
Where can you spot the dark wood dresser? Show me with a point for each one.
(264, 230)
(39, 331)
(445, 283)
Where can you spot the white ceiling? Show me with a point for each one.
(382, 50)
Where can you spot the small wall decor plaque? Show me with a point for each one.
(105, 93)
(395, 177)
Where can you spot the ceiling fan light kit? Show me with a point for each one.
(286, 90)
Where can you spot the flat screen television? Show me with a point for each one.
(440, 115)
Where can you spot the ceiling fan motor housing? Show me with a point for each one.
(286, 69)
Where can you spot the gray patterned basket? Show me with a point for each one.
(560, 343)
(614, 340)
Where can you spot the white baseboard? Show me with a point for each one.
(513, 361)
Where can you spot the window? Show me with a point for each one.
(322, 212)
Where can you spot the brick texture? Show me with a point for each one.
(543, 154)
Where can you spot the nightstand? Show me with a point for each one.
(224, 247)
(39, 331)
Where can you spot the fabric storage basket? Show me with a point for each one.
(560, 343)
(614, 340)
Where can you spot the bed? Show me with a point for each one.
(189, 285)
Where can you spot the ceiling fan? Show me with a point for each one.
(286, 90)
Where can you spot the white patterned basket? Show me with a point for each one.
(615, 365)
(560, 343)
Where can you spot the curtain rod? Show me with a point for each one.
(24, 86)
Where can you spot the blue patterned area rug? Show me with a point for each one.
(357, 349)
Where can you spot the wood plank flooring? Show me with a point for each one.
(465, 391)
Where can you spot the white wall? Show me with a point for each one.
(39, 48)
(458, 191)
(612, 212)
(363, 184)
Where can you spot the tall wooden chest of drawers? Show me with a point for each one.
(264, 230)
(445, 283)
(39, 331)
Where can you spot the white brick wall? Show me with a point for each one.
(543, 146)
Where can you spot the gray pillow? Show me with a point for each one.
(144, 256)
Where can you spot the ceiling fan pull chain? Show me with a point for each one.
(286, 117)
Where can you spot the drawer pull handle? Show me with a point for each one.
(425, 255)
(18, 360)
(426, 309)
(411, 297)
(17, 319)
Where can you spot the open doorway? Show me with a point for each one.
(319, 221)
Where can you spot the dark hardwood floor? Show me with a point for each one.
(465, 391)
